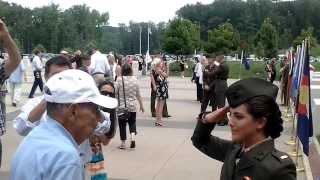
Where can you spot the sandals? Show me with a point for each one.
(122, 146)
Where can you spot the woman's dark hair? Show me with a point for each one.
(36, 52)
(126, 70)
(106, 82)
(266, 107)
(118, 58)
(58, 61)
(120, 61)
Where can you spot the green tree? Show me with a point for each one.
(306, 33)
(268, 39)
(40, 48)
(181, 37)
(223, 39)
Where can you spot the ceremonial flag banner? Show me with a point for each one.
(291, 60)
(304, 124)
(296, 74)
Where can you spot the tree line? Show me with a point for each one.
(52, 28)
(259, 26)
(262, 27)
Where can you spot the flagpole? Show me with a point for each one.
(148, 38)
(140, 40)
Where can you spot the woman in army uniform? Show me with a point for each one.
(255, 121)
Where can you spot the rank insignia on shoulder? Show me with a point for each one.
(246, 178)
(284, 157)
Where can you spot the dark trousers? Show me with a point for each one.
(153, 105)
(132, 126)
(199, 89)
(219, 98)
(37, 82)
(207, 97)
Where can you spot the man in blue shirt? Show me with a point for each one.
(50, 151)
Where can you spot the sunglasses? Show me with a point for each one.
(107, 93)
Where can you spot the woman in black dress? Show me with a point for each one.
(271, 70)
(160, 78)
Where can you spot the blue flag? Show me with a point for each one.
(296, 76)
(304, 125)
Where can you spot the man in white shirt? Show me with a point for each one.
(198, 74)
(36, 67)
(15, 82)
(100, 66)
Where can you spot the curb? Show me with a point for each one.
(306, 163)
(316, 144)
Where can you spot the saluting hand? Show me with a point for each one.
(216, 116)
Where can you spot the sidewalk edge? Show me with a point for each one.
(306, 164)
(316, 144)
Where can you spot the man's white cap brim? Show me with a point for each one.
(104, 101)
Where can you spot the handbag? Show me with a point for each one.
(123, 114)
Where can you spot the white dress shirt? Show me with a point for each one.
(99, 63)
(36, 63)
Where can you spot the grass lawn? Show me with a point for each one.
(237, 70)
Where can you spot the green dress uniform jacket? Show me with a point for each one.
(263, 162)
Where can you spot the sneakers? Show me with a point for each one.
(133, 144)
(122, 146)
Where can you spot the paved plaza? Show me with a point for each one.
(161, 153)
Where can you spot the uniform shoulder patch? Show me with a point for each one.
(281, 156)
(284, 157)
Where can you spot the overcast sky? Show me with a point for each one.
(122, 11)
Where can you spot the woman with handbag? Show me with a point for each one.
(128, 93)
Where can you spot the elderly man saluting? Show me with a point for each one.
(50, 151)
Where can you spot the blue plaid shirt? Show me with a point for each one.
(3, 78)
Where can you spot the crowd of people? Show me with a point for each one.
(85, 97)
(70, 104)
